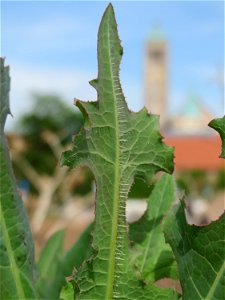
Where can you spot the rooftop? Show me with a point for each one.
(196, 153)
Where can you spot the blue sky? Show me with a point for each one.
(51, 48)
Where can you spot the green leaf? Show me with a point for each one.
(152, 256)
(116, 145)
(16, 245)
(200, 254)
(199, 250)
(50, 268)
(219, 125)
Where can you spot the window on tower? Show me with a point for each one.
(156, 55)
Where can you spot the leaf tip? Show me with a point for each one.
(4, 88)
(110, 7)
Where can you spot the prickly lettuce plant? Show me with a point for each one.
(116, 145)
(199, 250)
(118, 261)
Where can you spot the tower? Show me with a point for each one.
(156, 77)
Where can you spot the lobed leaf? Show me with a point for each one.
(116, 145)
(16, 245)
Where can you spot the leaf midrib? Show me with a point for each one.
(111, 269)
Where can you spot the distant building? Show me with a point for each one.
(192, 119)
(196, 145)
(196, 152)
(156, 75)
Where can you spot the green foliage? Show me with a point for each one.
(116, 144)
(50, 112)
(220, 184)
(192, 182)
(16, 245)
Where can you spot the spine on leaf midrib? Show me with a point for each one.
(116, 196)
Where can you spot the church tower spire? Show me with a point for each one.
(156, 77)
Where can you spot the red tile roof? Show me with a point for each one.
(196, 153)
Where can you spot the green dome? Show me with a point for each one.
(156, 35)
(192, 107)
